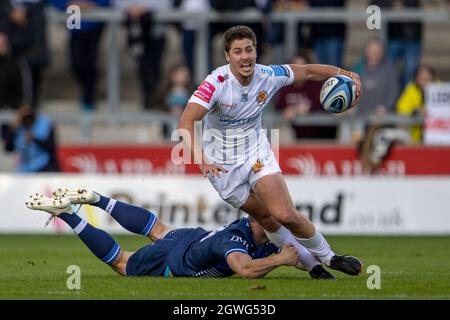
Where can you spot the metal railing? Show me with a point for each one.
(345, 123)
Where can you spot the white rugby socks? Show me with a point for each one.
(284, 236)
(319, 247)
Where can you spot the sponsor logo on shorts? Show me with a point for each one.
(257, 166)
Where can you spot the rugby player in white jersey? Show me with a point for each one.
(235, 154)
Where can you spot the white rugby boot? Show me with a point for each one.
(54, 206)
(77, 196)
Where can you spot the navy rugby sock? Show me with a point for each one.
(134, 219)
(98, 241)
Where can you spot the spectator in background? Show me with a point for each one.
(5, 7)
(32, 137)
(379, 79)
(84, 46)
(412, 99)
(301, 99)
(276, 31)
(146, 40)
(191, 27)
(14, 89)
(328, 37)
(376, 145)
(178, 90)
(404, 39)
(25, 23)
(176, 93)
(230, 6)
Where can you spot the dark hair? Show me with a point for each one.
(375, 39)
(164, 88)
(27, 115)
(237, 33)
(428, 68)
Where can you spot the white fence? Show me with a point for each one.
(366, 205)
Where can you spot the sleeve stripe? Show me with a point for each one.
(233, 250)
(280, 70)
(200, 102)
(291, 74)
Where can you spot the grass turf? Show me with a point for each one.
(34, 267)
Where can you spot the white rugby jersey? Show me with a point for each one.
(232, 132)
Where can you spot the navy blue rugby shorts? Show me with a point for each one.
(151, 260)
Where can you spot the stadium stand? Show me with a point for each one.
(59, 94)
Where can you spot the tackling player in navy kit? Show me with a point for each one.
(240, 247)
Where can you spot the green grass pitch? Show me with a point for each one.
(34, 267)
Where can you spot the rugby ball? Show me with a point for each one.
(337, 94)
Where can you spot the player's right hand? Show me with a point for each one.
(290, 255)
(357, 81)
(212, 169)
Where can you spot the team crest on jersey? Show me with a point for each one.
(261, 97)
(244, 97)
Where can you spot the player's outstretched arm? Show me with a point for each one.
(246, 267)
(193, 113)
(321, 72)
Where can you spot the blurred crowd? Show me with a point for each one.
(392, 74)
